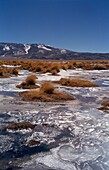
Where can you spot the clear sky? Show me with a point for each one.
(78, 25)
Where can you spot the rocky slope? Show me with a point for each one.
(42, 51)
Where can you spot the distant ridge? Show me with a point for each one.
(42, 51)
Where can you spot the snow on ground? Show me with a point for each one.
(27, 48)
(87, 147)
(43, 47)
(77, 131)
(9, 84)
(64, 156)
(84, 74)
(11, 66)
(6, 48)
(63, 51)
(62, 74)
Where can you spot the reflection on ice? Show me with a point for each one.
(66, 156)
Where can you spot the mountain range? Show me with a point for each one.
(42, 51)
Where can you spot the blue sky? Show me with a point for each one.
(78, 25)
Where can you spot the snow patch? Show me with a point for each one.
(63, 51)
(41, 51)
(47, 77)
(6, 48)
(11, 66)
(27, 48)
(43, 47)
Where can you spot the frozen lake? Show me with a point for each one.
(71, 135)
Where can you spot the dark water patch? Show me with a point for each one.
(13, 168)
(10, 168)
(83, 107)
(4, 116)
(64, 133)
(9, 93)
(22, 151)
(103, 82)
(86, 99)
(59, 109)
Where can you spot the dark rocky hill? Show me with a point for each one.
(42, 51)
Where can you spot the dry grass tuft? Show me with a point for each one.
(8, 72)
(47, 93)
(15, 71)
(105, 106)
(54, 73)
(55, 67)
(47, 88)
(76, 82)
(29, 83)
(2, 75)
(31, 80)
(33, 142)
(4, 72)
(20, 126)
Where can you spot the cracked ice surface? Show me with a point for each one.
(73, 135)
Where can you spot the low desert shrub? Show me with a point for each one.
(33, 142)
(106, 103)
(54, 73)
(64, 66)
(31, 80)
(4, 72)
(20, 126)
(8, 72)
(29, 83)
(100, 67)
(76, 82)
(39, 69)
(55, 67)
(46, 93)
(15, 71)
(47, 88)
(105, 106)
(1, 73)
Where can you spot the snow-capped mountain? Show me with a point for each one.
(42, 51)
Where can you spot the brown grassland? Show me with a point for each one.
(53, 66)
(7, 72)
